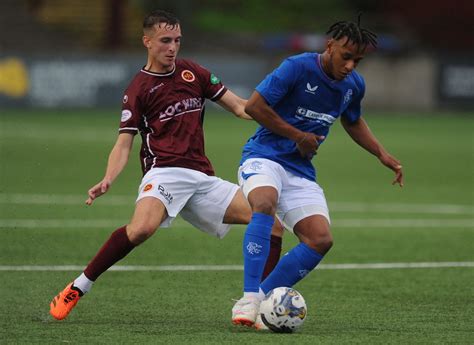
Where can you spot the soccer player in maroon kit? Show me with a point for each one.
(165, 104)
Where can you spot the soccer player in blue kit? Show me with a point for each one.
(296, 105)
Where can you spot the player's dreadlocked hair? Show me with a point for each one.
(354, 33)
(159, 16)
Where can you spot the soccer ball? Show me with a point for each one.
(283, 310)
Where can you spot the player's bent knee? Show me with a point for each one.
(264, 206)
(139, 234)
(326, 243)
(321, 243)
(263, 200)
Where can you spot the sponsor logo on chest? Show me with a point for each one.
(180, 108)
(322, 118)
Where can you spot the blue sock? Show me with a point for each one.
(256, 246)
(292, 267)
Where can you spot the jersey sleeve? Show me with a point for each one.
(211, 84)
(354, 110)
(278, 83)
(131, 111)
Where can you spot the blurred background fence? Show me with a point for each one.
(71, 53)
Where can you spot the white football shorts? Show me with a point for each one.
(200, 199)
(298, 197)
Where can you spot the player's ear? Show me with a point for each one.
(146, 41)
(330, 45)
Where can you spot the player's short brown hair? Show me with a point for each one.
(158, 17)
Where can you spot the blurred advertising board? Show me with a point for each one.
(87, 82)
(61, 83)
(456, 83)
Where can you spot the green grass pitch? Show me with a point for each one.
(49, 159)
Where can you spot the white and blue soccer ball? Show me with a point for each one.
(283, 310)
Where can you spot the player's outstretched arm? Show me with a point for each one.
(362, 135)
(306, 142)
(118, 159)
(234, 104)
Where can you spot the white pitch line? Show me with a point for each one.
(59, 223)
(336, 223)
(404, 223)
(395, 265)
(40, 133)
(123, 200)
(63, 199)
(183, 268)
(401, 208)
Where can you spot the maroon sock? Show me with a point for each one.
(115, 249)
(273, 256)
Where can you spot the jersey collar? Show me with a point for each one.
(159, 74)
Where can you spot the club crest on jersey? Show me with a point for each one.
(347, 96)
(188, 76)
(125, 99)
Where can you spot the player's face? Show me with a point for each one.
(344, 56)
(163, 43)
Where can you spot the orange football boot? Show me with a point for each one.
(62, 304)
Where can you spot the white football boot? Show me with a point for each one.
(245, 311)
(259, 325)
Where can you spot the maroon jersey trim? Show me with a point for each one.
(128, 129)
(148, 146)
(216, 96)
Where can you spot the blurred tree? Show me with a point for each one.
(265, 16)
(116, 24)
(114, 27)
(437, 25)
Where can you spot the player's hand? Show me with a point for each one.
(309, 144)
(394, 164)
(100, 188)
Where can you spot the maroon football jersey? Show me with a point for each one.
(167, 110)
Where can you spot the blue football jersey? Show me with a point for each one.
(305, 97)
